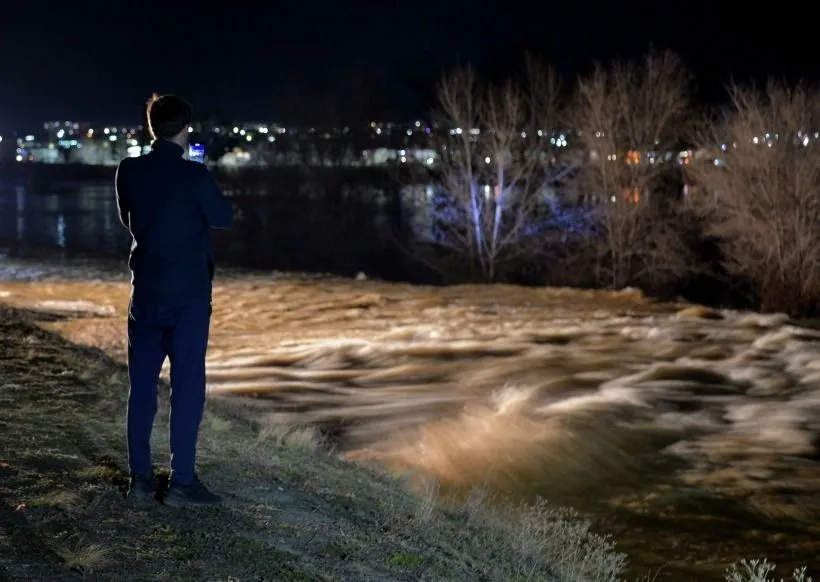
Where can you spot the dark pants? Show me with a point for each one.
(181, 334)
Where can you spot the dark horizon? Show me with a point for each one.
(323, 63)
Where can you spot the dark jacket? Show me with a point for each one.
(169, 205)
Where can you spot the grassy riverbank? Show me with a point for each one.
(293, 511)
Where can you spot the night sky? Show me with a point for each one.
(323, 61)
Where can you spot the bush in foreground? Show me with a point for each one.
(759, 570)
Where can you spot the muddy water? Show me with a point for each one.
(689, 435)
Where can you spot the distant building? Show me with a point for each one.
(7, 148)
(45, 155)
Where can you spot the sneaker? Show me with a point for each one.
(193, 495)
(142, 489)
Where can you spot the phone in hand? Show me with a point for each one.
(196, 152)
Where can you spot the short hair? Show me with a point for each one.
(167, 116)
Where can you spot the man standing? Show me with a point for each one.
(169, 205)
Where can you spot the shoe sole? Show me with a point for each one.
(177, 503)
(174, 499)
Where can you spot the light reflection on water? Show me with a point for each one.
(82, 218)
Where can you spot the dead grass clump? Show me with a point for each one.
(96, 473)
(84, 557)
(65, 500)
(302, 438)
(218, 424)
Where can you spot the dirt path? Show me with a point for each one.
(293, 513)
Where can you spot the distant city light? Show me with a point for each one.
(415, 146)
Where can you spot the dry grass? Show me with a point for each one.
(302, 438)
(84, 558)
(65, 500)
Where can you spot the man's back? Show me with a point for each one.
(170, 204)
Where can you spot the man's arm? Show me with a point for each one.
(217, 209)
(122, 198)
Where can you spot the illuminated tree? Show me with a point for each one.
(494, 167)
(629, 120)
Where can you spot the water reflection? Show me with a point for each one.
(277, 232)
(20, 199)
(81, 219)
(61, 231)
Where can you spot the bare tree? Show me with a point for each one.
(761, 192)
(630, 119)
(493, 167)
